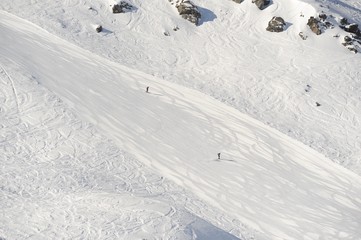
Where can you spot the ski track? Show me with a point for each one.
(61, 179)
(53, 139)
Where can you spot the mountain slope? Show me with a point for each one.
(231, 57)
(280, 187)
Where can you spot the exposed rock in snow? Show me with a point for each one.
(189, 11)
(343, 21)
(276, 24)
(98, 28)
(352, 43)
(322, 16)
(319, 24)
(302, 35)
(352, 28)
(313, 23)
(261, 4)
(238, 1)
(121, 7)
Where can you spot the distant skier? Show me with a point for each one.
(219, 155)
(147, 89)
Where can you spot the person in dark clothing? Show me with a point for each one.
(219, 155)
(147, 89)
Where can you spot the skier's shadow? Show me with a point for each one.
(156, 94)
(224, 160)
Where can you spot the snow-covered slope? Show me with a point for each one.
(81, 186)
(231, 57)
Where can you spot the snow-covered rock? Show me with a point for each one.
(314, 25)
(276, 24)
(261, 4)
(121, 7)
(189, 11)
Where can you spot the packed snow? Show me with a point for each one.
(86, 153)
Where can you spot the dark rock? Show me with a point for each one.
(352, 44)
(322, 16)
(98, 28)
(328, 25)
(121, 7)
(166, 33)
(176, 28)
(276, 24)
(189, 11)
(347, 39)
(352, 28)
(261, 4)
(343, 21)
(318, 104)
(353, 49)
(238, 1)
(302, 35)
(313, 23)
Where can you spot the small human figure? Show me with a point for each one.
(219, 155)
(147, 89)
(308, 88)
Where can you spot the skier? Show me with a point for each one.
(219, 155)
(147, 89)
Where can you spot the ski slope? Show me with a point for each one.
(62, 179)
(231, 57)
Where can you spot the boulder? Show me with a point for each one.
(343, 21)
(351, 43)
(121, 7)
(276, 24)
(189, 11)
(352, 28)
(313, 23)
(322, 16)
(348, 40)
(238, 1)
(98, 28)
(261, 4)
(302, 35)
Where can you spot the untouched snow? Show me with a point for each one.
(231, 57)
(62, 179)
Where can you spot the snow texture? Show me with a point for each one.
(86, 153)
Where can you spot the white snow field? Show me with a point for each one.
(231, 57)
(62, 178)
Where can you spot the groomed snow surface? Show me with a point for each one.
(87, 154)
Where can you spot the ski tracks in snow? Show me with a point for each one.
(59, 178)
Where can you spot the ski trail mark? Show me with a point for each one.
(12, 86)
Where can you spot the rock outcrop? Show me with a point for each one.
(98, 28)
(302, 35)
(314, 25)
(352, 28)
(343, 21)
(238, 1)
(261, 4)
(189, 11)
(276, 24)
(319, 24)
(352, 43)
(121, 7)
